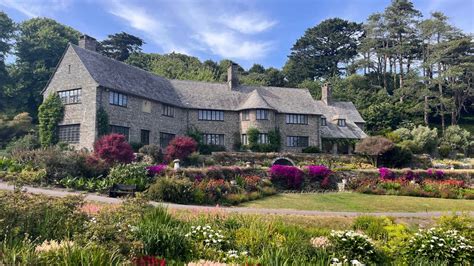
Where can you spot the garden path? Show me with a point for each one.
(57, 192)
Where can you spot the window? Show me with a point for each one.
(146, 106)
(116, 98)
(168, 110)
(262, 114)
(246, 115)
(296, 119)
(145, 137)
(263, 138)
(297, 141)
(341, 122)
(245, 139)
(70, 96)
(324, 122)
(120, 130)
(165, 139)
(213, 139)
(69, 133)
(211, 115)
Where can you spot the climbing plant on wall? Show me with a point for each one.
(102, 122)
(51, 112)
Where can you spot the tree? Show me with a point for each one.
(50, 114)
(119, 46)
(113, 149)
(456, 139)
(180, 148)
(257, 68)
(16, 127)
(39, 46)
(323, 48)
(7, 29)
(374, 147)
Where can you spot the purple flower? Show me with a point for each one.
(385, 173)
(155, 170)
(410, 175)
(291, 175)
(436, 174)
(318, 171)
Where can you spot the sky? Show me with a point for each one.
(247, 32)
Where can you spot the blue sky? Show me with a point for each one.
(245, 31)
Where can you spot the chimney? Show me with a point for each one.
(326, 96)
(87, 42)
(232, 78)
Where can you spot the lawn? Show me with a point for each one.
(357, 202)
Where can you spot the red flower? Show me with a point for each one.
(148, 261)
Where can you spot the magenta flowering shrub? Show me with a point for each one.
(156, 170)
(289, 177)
(410, 175)
(435, 174)
(385, 173)
(318, 172)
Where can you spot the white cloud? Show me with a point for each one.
(32, 8)
(228, 45)
(154, 29)
(247, 23)
(187, 26)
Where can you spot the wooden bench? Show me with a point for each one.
(120, 190)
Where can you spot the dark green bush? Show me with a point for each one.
(209, 149)
(311, 149)
(25, 143)
(178, 190)
(396, 157)
(163, 236)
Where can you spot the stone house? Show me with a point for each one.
(150, 109)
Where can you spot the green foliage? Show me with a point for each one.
(172, 190)
(89, 254)
(163, 236)
(39, 217)
(119, 46)
(322, 48)
(456, 138)
(102, 122)
(374, 147)
(18, 126)
(311, 149)
(354, 246)
(397, 157)
(50, 114)
(154, 151)
(39, 45)
(25, 143)
(441, 246)
(130, 174)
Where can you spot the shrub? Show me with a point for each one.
(172, 190)
(25, 143)
(318, 172)
(290, 177)
(385, 173)
(39, 217)
(154, 151)
(50, 113)
(16, 127)
(440, 246)
(130, 174)
(73, 254)
(163, 236)
(353, 246)
(214, 189)
(311, 149)
(180, 148)
(156, 170)
(114, 149)
(102, 122)
(398, 156)
(209, 149)
(374, 147)
(456, 138)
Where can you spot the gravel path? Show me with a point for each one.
(57, 192)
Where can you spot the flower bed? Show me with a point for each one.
(39, 230)
(429, 183)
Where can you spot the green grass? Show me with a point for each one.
(356, 202)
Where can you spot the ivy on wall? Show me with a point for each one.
(274, 139)
(50, 113)
(102, 122)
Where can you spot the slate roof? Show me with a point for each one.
(341, 110)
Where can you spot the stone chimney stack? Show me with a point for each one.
(232, 76)
(326, 94)
(87, 42)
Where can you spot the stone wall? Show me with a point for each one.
(71, 74)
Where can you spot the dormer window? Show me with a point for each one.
(341, 122)
(324, 122)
